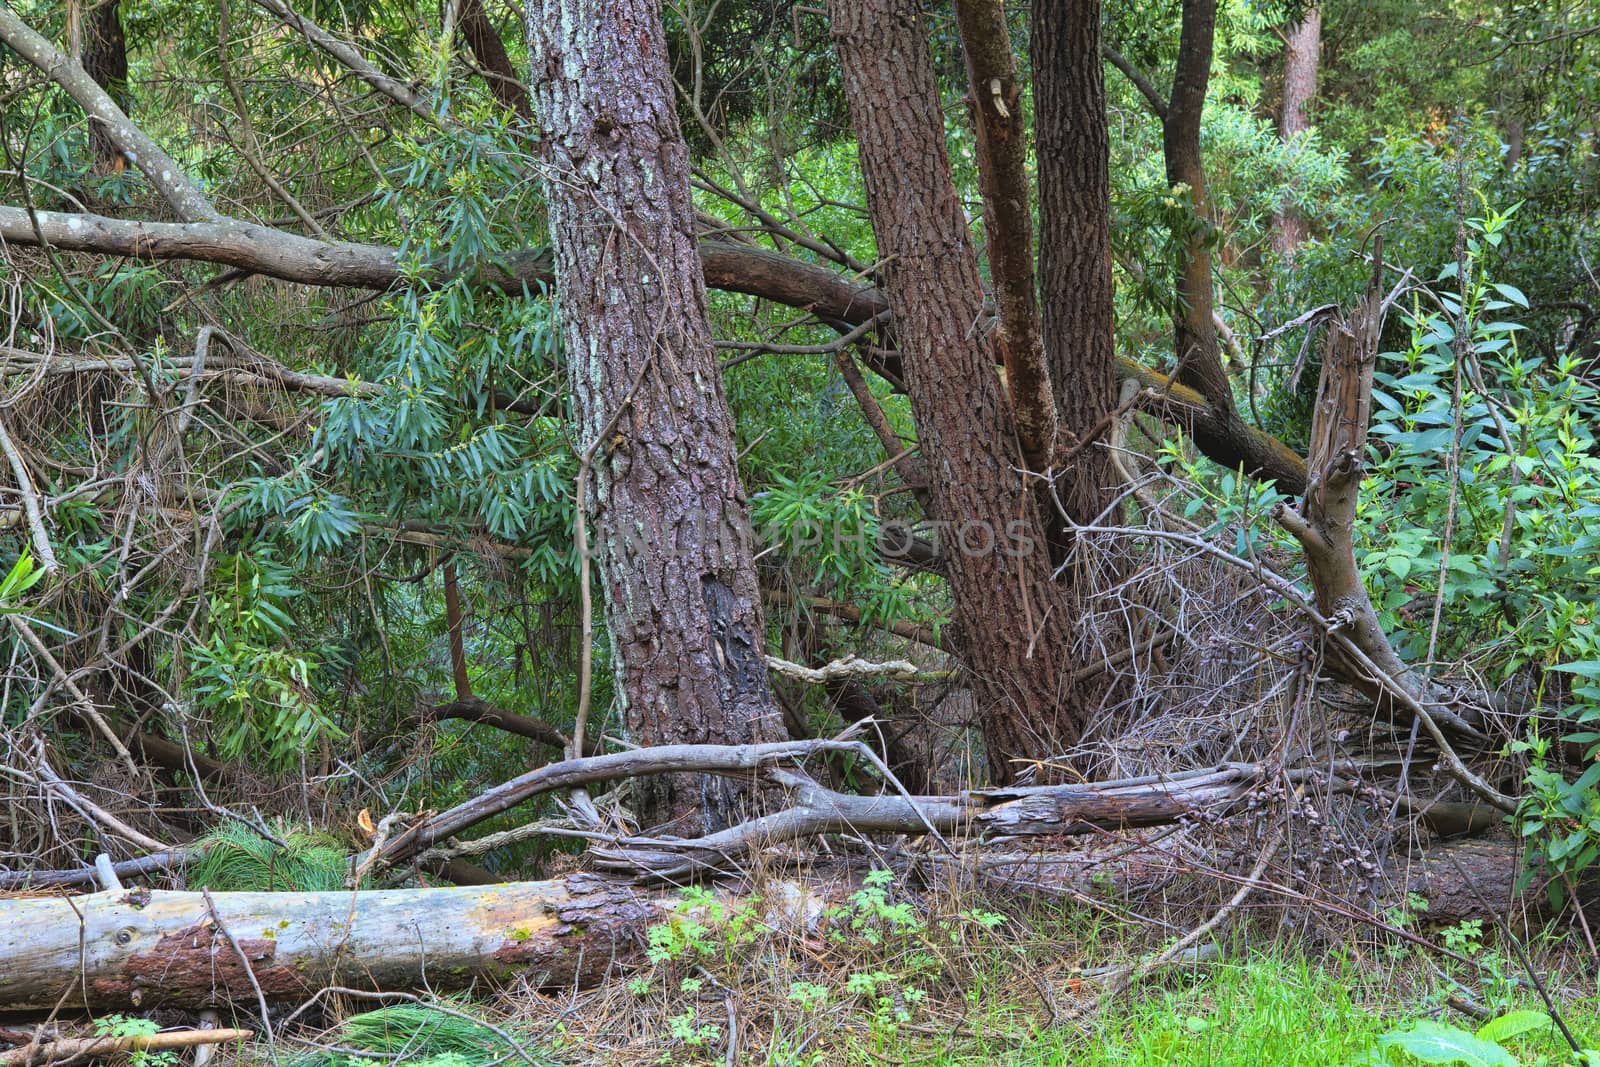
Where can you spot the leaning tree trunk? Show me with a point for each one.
(670, 520)
(1015, 635)
(1300, 48)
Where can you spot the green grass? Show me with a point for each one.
(1271, 1009)
(1267, 1011)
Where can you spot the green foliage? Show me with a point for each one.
(249, 676)
(22, 577)
(1432, 1042)
(414, 1030)
(235, 857)
(417, 1035)
(1523, 535)
(126, 1026)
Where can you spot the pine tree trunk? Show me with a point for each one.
(669, 519)
(1300, 48)
(1014, 635)
(1075, 238)
(105, 59)
(1195, 345)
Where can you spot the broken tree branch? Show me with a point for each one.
(44, 1051)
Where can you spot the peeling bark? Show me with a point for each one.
(1324, 524)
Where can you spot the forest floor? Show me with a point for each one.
(881, 979)
(1281, 1006)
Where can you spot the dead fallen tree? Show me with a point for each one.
(137, 949)
(1210, 792)
(142, 948)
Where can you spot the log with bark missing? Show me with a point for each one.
(143, 948)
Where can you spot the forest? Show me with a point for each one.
(939, 532)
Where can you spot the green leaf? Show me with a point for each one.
(1582, 666)
(22, 577)
(1433, 1042)
(1512, 293)
(1513, 1024)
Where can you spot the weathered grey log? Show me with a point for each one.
(142, 948)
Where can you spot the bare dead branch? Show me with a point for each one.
(162, 170)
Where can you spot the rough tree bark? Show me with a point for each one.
(1300, 52)
(1195, 346)
(1073, 149)
(1015, 633)
(490, 52)
(105, 59)
(670, 523)
(1008, 220)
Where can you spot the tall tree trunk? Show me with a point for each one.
(671, 532)
(1073, 151)
(1300, 48)
(1196, 349)
(1008, 221)
(1015, 634)
(105, 59)
(490, 52)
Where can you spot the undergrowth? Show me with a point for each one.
(882, 976)
(234, 857)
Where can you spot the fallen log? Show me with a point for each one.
(154, 863)
(143, 948)
(1478, 878)
(121, 950)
